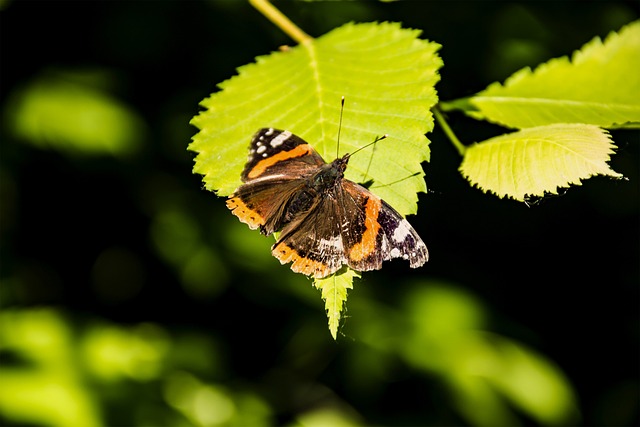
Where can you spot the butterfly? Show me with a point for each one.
(325, 221)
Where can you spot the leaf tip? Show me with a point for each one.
(334, 293)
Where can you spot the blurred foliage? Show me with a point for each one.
(177, 239)
(40, 384)
(444, 332)
(58, 374)
(130, 296)
(64, 110)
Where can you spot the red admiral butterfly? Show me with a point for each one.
(325, 219)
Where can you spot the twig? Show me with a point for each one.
(447, 130)
(281, 21)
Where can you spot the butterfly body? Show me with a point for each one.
(325, 220)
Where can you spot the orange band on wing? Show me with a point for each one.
(261, 166)
(247, 215)
(302, 265)
(367, 245)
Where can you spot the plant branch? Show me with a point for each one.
(281, 21)
(447, 130)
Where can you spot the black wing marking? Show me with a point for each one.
(278, 152)
(401, 240)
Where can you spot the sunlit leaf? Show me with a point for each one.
(334, 293)
(536, 161)
(387, 76)
(600, 85)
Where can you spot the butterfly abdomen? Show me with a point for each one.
(301, 202)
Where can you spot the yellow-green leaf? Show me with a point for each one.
(535, 161)
(600, 85)
(387, 76)
(334, 293)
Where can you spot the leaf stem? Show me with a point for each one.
(447, 130)
(281, 21)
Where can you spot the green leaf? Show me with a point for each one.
(599, 86)
(535, 161)
(387, 76)
(334, 293)
(65, 111)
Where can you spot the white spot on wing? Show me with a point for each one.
(261, 149)
(278, 140)
(331, 246)
(402, 231)
(269, 132)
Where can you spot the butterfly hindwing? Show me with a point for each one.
(382, 233)
(262, 204)
(313, 242)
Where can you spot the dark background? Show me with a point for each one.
(95, 238)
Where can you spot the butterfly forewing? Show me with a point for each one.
(277, 153)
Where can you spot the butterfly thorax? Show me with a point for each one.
(329, 176)
(323, 183)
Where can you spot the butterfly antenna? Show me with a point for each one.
(378, 139)
(396, 181)
(339, 127)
